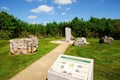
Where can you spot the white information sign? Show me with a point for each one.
(71, 68)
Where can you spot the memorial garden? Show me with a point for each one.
(106, 55)
(106, 58)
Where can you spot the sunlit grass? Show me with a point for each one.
(106, 58)
(12, 64)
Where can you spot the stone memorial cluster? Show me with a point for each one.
(106, 39)
(24, 45)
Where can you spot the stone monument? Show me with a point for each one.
(106, 39)
(80, 42)
(68, 34)
(24, 45)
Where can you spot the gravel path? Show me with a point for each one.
(38, 70)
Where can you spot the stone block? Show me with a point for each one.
(24, 45)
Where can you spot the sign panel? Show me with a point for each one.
(71, 68)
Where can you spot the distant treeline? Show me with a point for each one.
(12, 27)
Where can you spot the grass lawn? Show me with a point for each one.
(106, 58)
(12, 64)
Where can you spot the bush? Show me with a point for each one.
(4, 34)
(24, 34)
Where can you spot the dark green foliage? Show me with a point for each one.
(4, 34)
(79, 27)
(116, 24)
(61, 28)
(7, 22)
(94, 27)
(24, 34)
(52, 29)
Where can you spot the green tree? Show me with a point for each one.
(79, 27)
(52, 29)
(8, 22)
(109, 29)
(116, 24)
(62, 26)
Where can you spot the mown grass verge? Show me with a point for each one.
(12, 64)
(106, 58)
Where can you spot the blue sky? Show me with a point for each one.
(44, 11)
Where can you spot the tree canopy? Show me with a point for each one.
(11, 27)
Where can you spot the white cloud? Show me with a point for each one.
(64, 2)
(43, 8)
(32, 17)
(5, 8)
(63, 13)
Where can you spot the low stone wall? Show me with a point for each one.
(24, 45)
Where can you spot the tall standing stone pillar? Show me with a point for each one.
(68, 34)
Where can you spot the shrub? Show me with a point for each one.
(4, 34)
(24, 34)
